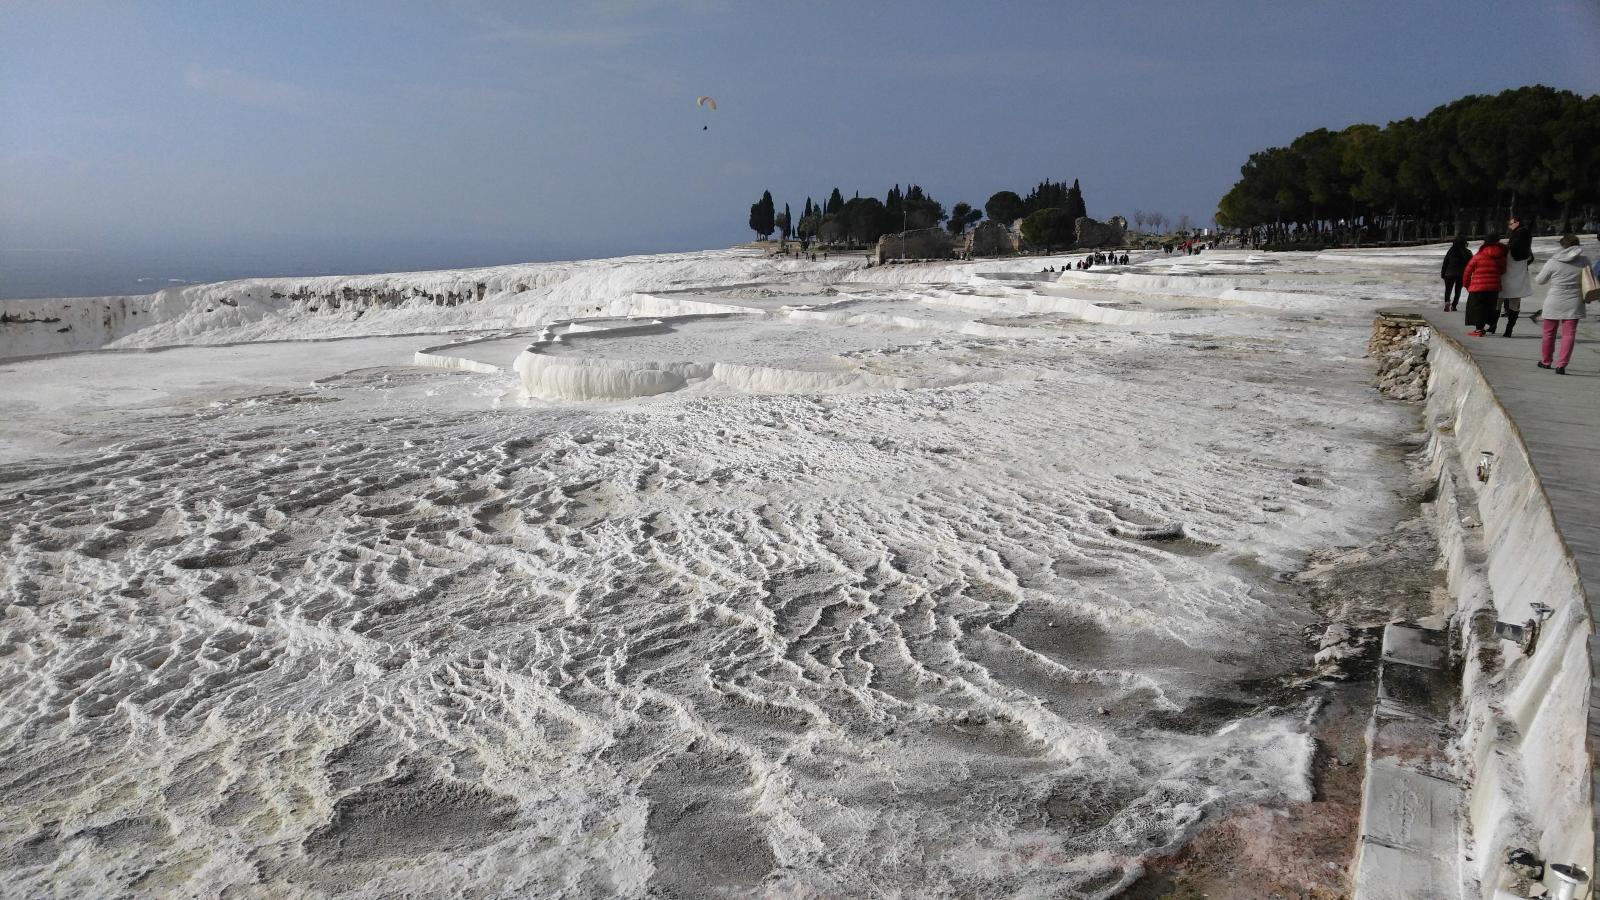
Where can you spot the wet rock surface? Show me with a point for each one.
(1400, 346)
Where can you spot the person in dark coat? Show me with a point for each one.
(1455, 262)
(1482, 280)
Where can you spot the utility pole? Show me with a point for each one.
(903, 224)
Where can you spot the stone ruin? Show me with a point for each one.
(989, 238)
(1091, 233)
(922, 243)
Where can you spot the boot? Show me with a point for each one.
(1511, 322)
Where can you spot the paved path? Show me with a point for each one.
(1559, 416)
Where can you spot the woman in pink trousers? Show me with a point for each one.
(1563, 305)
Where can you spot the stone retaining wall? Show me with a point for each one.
(1400, 345)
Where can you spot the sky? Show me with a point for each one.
(292, 136)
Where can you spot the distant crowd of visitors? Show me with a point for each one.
(1089, 262)
(1497, 280)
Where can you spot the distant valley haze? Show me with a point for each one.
(152, 144)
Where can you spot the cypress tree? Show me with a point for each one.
(768, 214)
(788, 223)
(1047, 195)
(1074, 206)
(835, 202)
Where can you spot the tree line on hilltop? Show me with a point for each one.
(1048, 215)
(1464, 167)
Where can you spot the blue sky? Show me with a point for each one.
(503, 131)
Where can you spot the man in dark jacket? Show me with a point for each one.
(1455, 261)
(1519, 240)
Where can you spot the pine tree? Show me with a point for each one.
(1461, 167)
(1005, 207)
(962, 215)
(864, 220)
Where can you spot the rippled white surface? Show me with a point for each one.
(374, 637)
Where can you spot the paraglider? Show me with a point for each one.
(705, 102)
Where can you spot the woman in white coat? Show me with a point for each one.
(1563, 305)
(1517, 282)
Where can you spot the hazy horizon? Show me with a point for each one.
(180, 141)
(41, 273)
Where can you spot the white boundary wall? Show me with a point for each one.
(1524, 718)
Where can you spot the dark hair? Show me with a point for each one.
(1569, 240)
(1492, 237)
(1459, 240)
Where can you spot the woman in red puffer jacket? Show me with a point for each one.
(1482, 279)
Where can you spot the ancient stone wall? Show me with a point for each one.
(1091, 233)
(923, 243)
(989, 238)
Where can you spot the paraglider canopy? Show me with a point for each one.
(704, 101)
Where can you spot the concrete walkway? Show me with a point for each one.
(1559, 419)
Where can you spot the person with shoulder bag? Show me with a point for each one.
(1564, 304)
(1590, 283)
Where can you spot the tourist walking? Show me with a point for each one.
(1455, 262)
(1517, 282)
(1563, 305)
(1482, 280)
